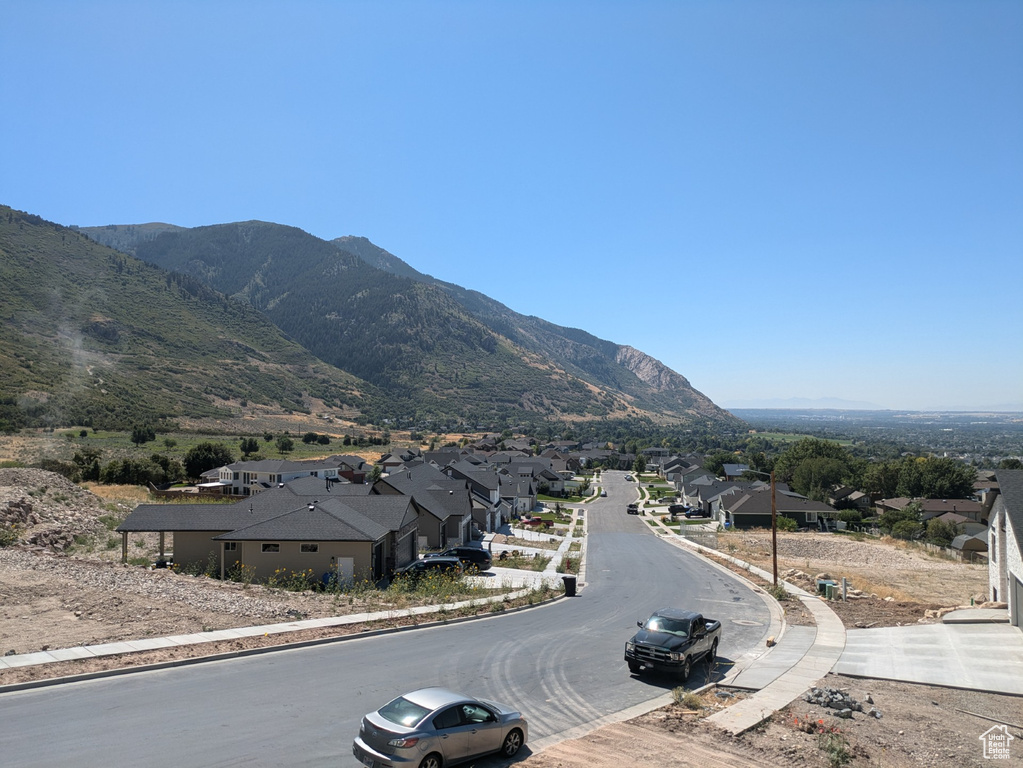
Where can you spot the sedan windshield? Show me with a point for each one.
(678, 627)
(403, 712)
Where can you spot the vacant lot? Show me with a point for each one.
(886, 567)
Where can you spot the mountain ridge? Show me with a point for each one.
(434, 347)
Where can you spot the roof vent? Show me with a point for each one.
(311, 507)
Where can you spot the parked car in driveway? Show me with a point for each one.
(435, 727)
(419, 568)
(472, 558)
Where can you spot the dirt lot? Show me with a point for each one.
(52, 601)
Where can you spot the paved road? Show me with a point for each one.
(561, 663)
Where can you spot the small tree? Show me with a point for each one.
(142, 433)
(908, 530)
(249, 445)
(206, 456)
(940, 532)
(850, 516)
(891, 518)
(309, 437)
(639, 465)
(285, 444)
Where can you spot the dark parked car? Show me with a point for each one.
(470, 557)
(419, 568)
(697, 512)
(435, 727)
(632, 509)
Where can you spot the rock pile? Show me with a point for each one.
(47, 509)
(840, 700)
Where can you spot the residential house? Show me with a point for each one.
(846, 497)
(965, 507)
(245, 478)
(752, 508)
(443, 503)
(307, 524)
(1005, 544)
(962, 523)
(734, 471)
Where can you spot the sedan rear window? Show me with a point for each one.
(403, 712)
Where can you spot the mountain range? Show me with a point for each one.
(104, 322)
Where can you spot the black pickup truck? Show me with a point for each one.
(672, 640)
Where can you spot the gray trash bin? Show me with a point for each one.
(569, 585)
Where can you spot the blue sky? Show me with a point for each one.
(775, 199)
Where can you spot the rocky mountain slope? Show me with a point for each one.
(437, 350)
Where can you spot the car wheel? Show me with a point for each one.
(432, 760)
(683, 673)
(712, 656)
(512, 743)
(634, 667)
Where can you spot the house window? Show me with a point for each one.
(310, 548)
(271, 547)
(230, 546)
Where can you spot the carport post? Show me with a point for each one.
(124, 546)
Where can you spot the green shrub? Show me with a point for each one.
(9, 535)
(787, 523)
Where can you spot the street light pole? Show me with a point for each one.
(774, 524)
(774, 531)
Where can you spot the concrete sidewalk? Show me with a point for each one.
(976, 656)
(798, 660)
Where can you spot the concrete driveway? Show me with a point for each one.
(981, 657)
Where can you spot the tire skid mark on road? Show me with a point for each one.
(562, 707)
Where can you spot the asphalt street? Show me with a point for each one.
(561, 664)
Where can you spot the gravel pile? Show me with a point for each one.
(158, 585)
(48, 509)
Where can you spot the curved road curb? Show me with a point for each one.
(816, 662)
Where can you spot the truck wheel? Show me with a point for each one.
(683, 673)
(634, 667)
(712, 656)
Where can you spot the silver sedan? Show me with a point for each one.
(435, 727)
